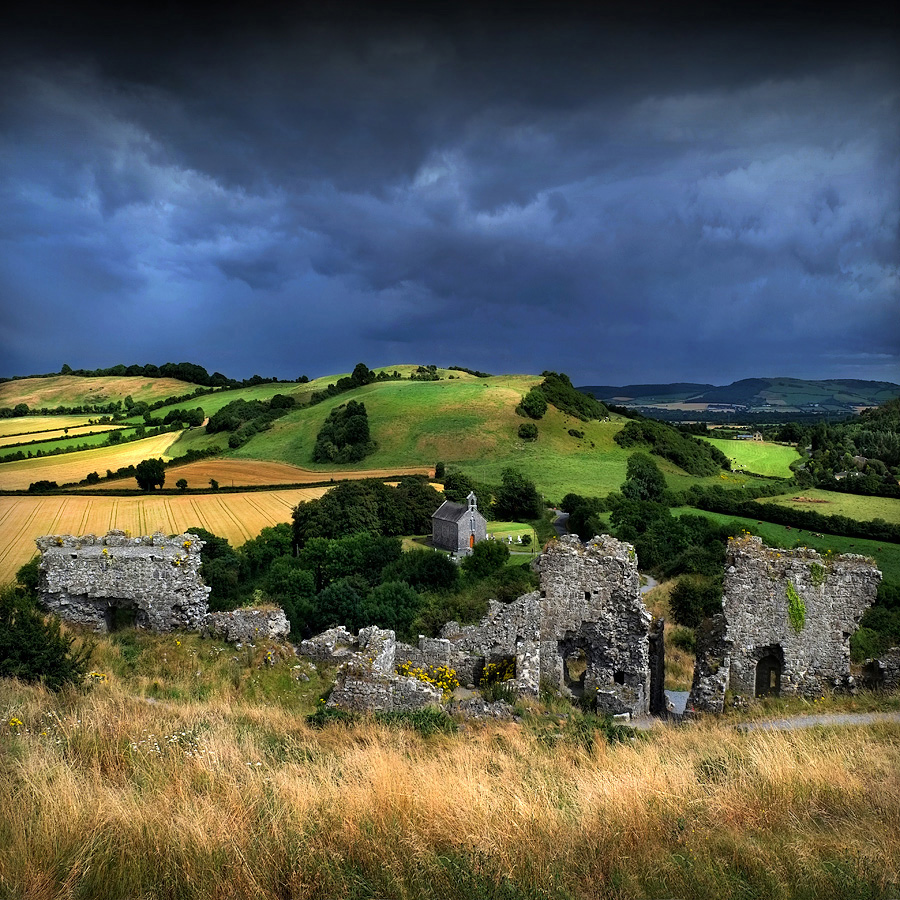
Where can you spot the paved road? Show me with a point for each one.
(796, 722)
(561, 522)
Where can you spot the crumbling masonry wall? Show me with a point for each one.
(155, 580)
(754, 648)
(586, 632)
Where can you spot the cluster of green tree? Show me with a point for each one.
(32, 646)
(474, 372)
(528, 431)
(183, 371)
(367, 505)
(244, 418)
(344, 436)
(859, 456)
(533, 405)
(113, 437)
(357, 578)
(557, 389)
(740, 502)
(41, 487)
(23, 409)
(879, 628)
(515, 499)
(360, 377)
(425, 373)
(695, 456)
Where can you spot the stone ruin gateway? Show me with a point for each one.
(785, 626)
(103, 582)
(586, 632)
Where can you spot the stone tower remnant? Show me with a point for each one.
(150, 582)
(785, 625)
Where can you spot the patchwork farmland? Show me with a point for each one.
(237, 517)
(68, 467)
(253, 473)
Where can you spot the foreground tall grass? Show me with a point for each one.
(124, 792)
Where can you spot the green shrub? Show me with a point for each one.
(528, 431)
(33, 648)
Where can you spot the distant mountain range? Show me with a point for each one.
(752, 395)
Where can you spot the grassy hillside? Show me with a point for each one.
(760, 457)
(468, 423)
(72, 390)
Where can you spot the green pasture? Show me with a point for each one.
(853, 506)
(885, 554)
(760, 457)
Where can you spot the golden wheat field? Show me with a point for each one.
(16, 476)
(237, 517)
(29, 424)
(64, 431)
(254, 472)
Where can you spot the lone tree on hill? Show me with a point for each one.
(150, 474)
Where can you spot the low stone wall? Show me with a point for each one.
(883, 674)
(153, 581)
(248, 624)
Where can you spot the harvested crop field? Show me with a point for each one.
(74, 390)
(68, 467)
(255, 472)
(237, 517)
(57, 434)
(28, 424)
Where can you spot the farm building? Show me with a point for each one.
(457, 527)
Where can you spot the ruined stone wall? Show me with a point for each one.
(591, 604)
(248, 624)
(807, 657)
(156, 580)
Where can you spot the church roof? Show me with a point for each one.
(450, 512)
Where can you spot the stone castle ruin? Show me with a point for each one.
(100, 582)
(586, 632)
(785, 626)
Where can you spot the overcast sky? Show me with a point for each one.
(626, 197)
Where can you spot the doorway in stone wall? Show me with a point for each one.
(575, 665)
(768, 674)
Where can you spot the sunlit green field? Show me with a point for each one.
(834, 503)
(760, 457)
(83, 441)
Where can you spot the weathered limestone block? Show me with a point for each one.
(334, 646)
(153, 579)
(249, 624)
(711, 667)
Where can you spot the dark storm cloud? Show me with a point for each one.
(625, 198)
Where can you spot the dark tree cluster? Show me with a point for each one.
(474, 372)
(695, 456)
(344, 436)
(360, 377)
(558, 390)
(245, 418)
(533, 404)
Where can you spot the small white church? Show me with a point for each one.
(458, 527)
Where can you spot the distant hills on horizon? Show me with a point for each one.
(751, 396)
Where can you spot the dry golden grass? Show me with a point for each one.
(254, 472)
(68, 467)
(679, 662)
(237, 517)
(105, 795)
